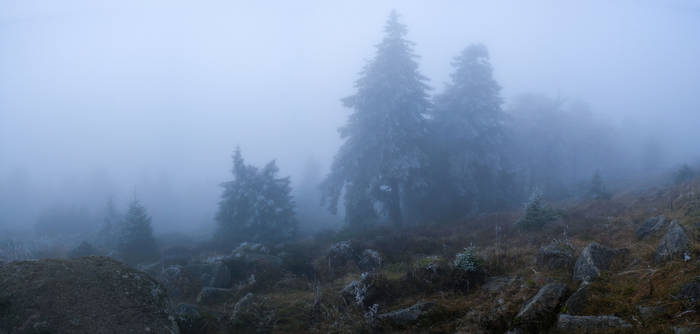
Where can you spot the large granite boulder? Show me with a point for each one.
(538, 313)
(251, 315)
(691, 291)
(555, 256)
(85, 295)
(366, 291)
(651, 226)
(369, 260)
(189, 318)
(674, 245)
(578, 300)
(593, 259)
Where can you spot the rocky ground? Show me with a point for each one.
(626, 265)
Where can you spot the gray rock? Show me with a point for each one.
(410, 315)
(340, 253)
(691, 291)
(540, 311)
(369, 260)
(594, 258)
(650, 313)
(242, 305)
(555, 256)
(185, 281)
(221, 276)
(686, 330)
(251, 315)
(674, 245)
(250, 247)
(589, 324)
(186, 310)
(188, 318)
(366, 290)
(651, 226)
(578, 300)
(210, 295)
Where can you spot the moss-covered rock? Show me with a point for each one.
(86, 295)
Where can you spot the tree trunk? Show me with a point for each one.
(395, 204)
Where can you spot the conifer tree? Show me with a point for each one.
(598, 190)
(108, 234)
(256, 205)
(468, 122)
(136, 243)
(537, 213)
(385, 134)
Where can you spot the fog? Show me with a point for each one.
(148, 100)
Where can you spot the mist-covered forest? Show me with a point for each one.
(349, 167)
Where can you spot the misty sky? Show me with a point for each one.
(110, 97)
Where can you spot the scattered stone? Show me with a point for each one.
(590, 324)
(370, 260)
(340, 254)
(674, 245)
(691, 291)
(251, 315)
(594, 258)
(540, 311)
(210, 295)
(650, 313)
(366, 291)
(250, 247)
(555, 256)
(221, 276)
(578, 300)
(242, 304)
(419, 312)
(651, 226)
(86, 295)
(188, 318)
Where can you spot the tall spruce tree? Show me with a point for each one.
(256, 205)
(598, 189)
(384, 134)
(468, 123)
(136, 243)
(108, 235)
